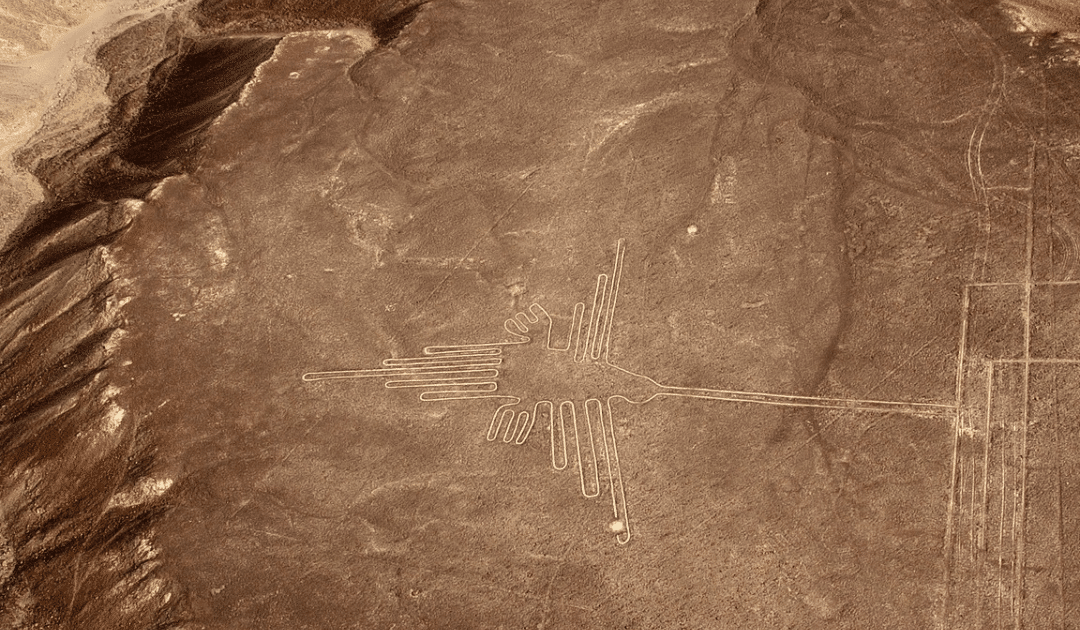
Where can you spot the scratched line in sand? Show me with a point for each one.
(987, 583)
(576, 410)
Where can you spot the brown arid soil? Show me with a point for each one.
(551, 314)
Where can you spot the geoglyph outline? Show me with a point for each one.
(471, 372)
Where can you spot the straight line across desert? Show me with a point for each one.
(539, 314)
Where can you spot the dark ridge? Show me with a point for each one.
(30, 386)
(46, 527)
(386, 18)
(38, 433)
(83, 227)
(186, 94)
(69, 176)
(131, 56)
(114, 178)
(168, 81)
(55, 290)
(42, 287)
(290, 15)
(61, 217)
(153, 129)
(21, 385)
(83, 313)
(49, 409)
(386, 30)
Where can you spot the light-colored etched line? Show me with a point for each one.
(525, 425)
(503, 416)
(542, 408)
(950, 524)
(616, 281)
(1021, 189)
(985, 497)
(422, 370)
(447, 385)
(515, 425)
(472, 350)
(1056, 417)
(1060, 509)
(785, 400)
(541, 314)
(961, 351)
(505, 213)
(431, 368)
(512, 328)
(511, 426)
(1036, 361)
(575, 330)
(464, 381)
(973, 550)
(391, 372)
(618, 490)
(790, 400)
(593, 418)
(602, 420)
(1026, 388)
(461, 394)
(470, 372)
(527, 317)
(594, 413)
(978, 156)
(421, 362)
(958, 538)
(990, 106)
(515, 326)
(594, 316)
(950, 514)
(582, 464)
(970, 162)
(442, 360)
(485, 364)
(986, 451)
(563, 406)
(601, 321)
(557, 443)
(467, 390)
(978, 188)
(1001, 529)
(466, 350)
(1036, 283)
(1014, 520)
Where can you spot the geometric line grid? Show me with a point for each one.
(1014, 490)
(999, 442)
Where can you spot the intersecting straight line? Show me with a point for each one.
(1026, 387)
(1056, 419)
(1035, 283)
(813, 402)
(1001, 525)
(985, 506)
(1038, 361)
(483, 236)
(950, 518)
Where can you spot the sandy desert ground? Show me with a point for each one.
(545, 314)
